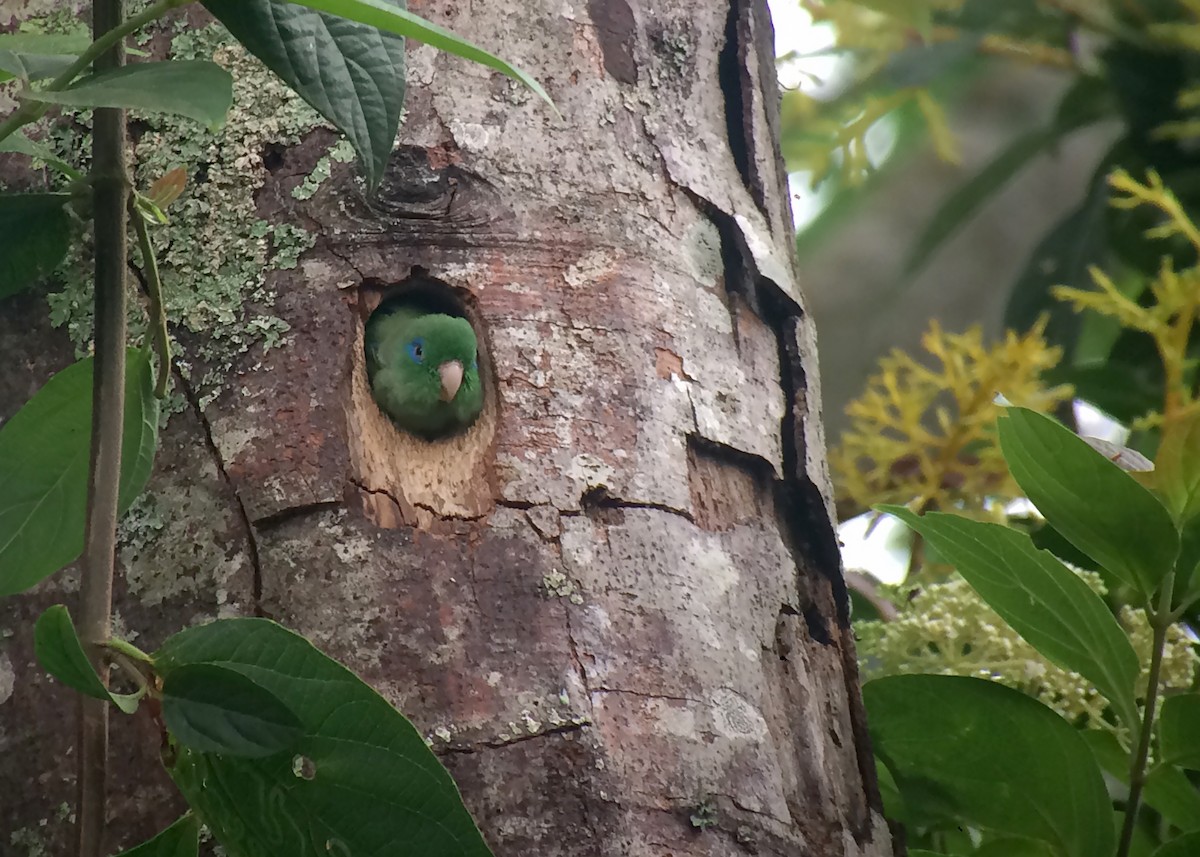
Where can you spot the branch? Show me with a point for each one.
(110, 188)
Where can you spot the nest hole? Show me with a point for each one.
(402, 479)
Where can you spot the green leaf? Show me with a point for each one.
(984, 754)
(140, 439)
(351, 73)
(1082, 105)
(889, 792)
(1096, 505)
(1187, 845)
(381, 14)
(1044, 601)
(1062, 257)
(35, 233)
(35, 56)
(197, 89)
(61, 654)
(1170, 792)
(358, 762)
(1013, 848)
(919, 65)
(181, 839)
(18, 142)
(1167, 789)
(1122, 390)
(958, 208)
(1177, 467)
(32, 66)
(46, 43)
(1179, 730)
(217, 710)
(1187, 578)
(44, 451)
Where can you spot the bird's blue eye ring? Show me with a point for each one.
(416, 350)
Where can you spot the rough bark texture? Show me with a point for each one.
(616, 602)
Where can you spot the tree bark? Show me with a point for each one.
(615, 605)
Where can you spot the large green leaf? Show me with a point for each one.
(32, 66)
(1187, 845)
(1095, 504)
(1083, 104)
(1171, 793)
(44, 452)
(1043, 601)
(987, 755)
(181, 839)
(197, 89)
(1121, 389)
(893, 802)
(46, 43)
(351, 73)
(35, 56)
(61, 654)
(1062, 257)
(35, 233)
(920, 65)
(385, 16)
(1167, 789)
(1179, 730)
(217, 710)
(1008, 847)
(358, 763)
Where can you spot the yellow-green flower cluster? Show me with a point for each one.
(1175, 306)
(926, 433)
(947, 629)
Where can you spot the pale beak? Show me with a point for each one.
(452, 375)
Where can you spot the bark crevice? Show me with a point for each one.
(501, 743)
(291, 513)
(243, 517)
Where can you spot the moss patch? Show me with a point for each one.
(215, 255)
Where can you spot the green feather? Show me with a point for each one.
(405, 346)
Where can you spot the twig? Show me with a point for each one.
(158, 310)
(1160, 620)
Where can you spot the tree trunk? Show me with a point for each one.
(615, 605)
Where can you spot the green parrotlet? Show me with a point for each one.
(424, 369)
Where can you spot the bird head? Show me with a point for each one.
(439, 352)
(423, 368)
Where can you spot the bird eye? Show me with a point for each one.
(416, 350)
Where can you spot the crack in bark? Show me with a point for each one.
(573, 648)
(800, 509)
(283, 516)
(732, 72)
(335, 250)
(441, 516)
(597, 498)
(501, 743)
(242, 515)
(642, 694)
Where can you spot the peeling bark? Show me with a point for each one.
(617, 596)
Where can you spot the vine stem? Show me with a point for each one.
(110, 189)
(1160, 621)
(158, 310)
(103, 44)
